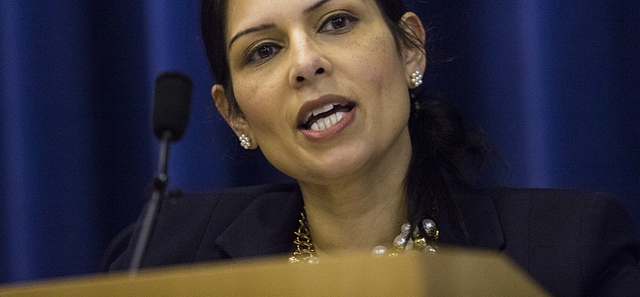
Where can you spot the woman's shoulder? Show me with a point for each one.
(195, 211)
(225, 204)
(551, 216)
(239, 194)
(571, 241)
(555, 206)
(190, 225)
(258, 190)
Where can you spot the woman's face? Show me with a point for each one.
(322, 87)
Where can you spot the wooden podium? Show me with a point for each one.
(447, 273)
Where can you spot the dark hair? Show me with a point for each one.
(444, 150)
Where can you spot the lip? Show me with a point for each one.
(309, 106)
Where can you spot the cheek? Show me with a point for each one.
(386, 80)
(385, 77)
(379, 62)
(255, 101)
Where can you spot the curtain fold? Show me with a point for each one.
(554, 84)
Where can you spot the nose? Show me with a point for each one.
(308, 62)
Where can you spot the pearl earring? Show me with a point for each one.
(416, 79)
(245, 142)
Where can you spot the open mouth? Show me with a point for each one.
(325, 117)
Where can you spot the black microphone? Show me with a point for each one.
(171, 105)
(170, 118)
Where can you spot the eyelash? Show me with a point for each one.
(252, 54)
(347, 17)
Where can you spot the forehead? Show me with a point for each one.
(242, 14)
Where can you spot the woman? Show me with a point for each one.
(325, 89)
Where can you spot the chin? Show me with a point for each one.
(340, 169)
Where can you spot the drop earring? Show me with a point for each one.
(245, 142)
(416, 79)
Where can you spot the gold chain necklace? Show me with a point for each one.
(405, 241)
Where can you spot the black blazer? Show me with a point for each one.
(573, 243)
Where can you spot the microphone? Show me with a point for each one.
(171, 105)
(170, 118)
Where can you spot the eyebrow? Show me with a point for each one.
(315, 6)
(269, 26)
(250, 30)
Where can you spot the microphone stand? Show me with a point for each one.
(151, 213)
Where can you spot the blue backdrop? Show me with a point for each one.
(555, 85)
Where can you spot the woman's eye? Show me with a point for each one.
(262, 52)
(339, 22)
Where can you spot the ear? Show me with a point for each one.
(415, 58)
(238, 123)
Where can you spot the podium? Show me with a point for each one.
(447, 273)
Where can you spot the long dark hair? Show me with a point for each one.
(444, 150)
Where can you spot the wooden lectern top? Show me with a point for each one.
(447, 273)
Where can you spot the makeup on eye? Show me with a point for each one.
(339, 22)
(261, 52)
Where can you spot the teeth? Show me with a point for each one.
(327, 122)
(333, 119)
(320, 110)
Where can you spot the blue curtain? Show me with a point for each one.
(555, 85)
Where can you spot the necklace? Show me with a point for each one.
(405, 241)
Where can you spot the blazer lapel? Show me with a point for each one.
(265, 227)
(480, 219)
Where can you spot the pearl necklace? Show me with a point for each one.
(405, 241)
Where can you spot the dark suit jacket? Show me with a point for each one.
(572, 243)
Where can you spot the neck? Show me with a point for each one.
(359, 213)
